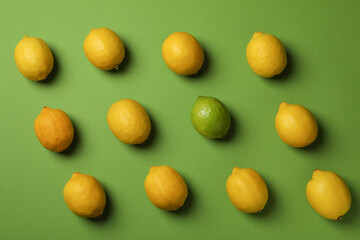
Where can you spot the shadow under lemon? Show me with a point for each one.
(232, 132)
(55, 72)
(152, 136)
(270, 206)
(125, 64)
(188, 204)
(71, 150)
(108, 210)
(204, 68)
(319, 142)
(351, 218)
(289, 68)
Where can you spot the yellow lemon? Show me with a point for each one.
(328, 194)
(266, 55)
(165, 188)
(182, 53)
(129, 121)
(33, 58)
(54, 129)
(104, 48)
(247, 190)
(296, 125)
(85, 196)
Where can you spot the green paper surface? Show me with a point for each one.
(322, 42)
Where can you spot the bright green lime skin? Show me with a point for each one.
(210, 117)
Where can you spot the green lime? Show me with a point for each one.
(210, 117)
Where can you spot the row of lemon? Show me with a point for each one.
(181, 51)
(247, 190)
(130, 123)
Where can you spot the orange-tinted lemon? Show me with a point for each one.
(182, 53)
(104, 48)
(54, 129)
(165, 188)
(85, 196)
(129, 121)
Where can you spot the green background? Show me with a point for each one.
(322, 42)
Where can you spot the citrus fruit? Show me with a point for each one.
(182, 53)
(85, 196)
(129, 121)
(296, 125)
(266, 55)
(328, 194)
(33, 58)
(210, 117)
(247, 190)
(165, 188)
(104, 48)
(54, 129)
